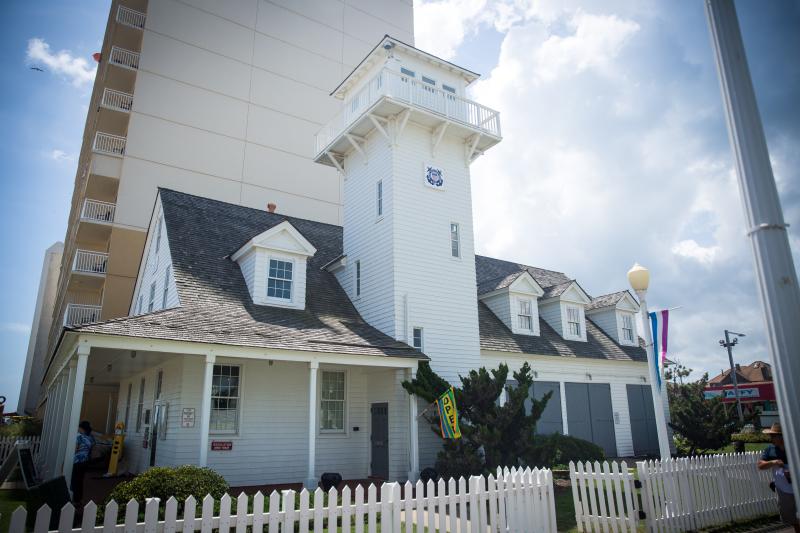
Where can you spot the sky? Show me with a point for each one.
(615, 149)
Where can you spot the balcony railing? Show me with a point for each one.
(116, 100)
(78, 314)
(97, 211)
(124, 58)
(90, 262)
(392, 84)
(109, 144)
(130, 17)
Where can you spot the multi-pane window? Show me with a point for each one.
(428, 84)
(409, 73)
(128, 405)
(627, 328)
(158, 235)
(165, 293)
(225, 392)
(379, 198)
(279, 280)
(140, 407)
(358, 278)
(140, 304)
(152, 303)
(455, 240)
(449, 89)
(573, 321)
(417, 338)
(332, 398)
(525, 315)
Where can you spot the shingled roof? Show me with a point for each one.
(606, 300)
(216, 306)
(215, 303)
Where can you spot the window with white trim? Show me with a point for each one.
(279, 279)
(332, 402)
(152, 302)
(358, 278)
(573, 321)
(627, 328)
(128, 405)
(525, 315)
(165, 292)
(379, 198)
(140, 407)
(455, 240)
(225, 396)
(417, 338)
(140, 304)
(449, 89)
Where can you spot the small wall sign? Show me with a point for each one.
(434, 177)
(221, 445)
(187, 417)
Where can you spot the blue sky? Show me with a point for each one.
(615, 148)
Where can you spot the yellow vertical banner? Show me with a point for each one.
(448, 415)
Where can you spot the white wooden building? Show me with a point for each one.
(272, 348)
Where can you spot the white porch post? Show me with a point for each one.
(562, 387)
(55, 404)
(205, 409)
(75, 403)
(47, 427)
(311, 480)
(61, 427)
(413, 437)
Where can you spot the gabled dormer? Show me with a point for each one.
(563, 306)
(615, 314)
(273, 264)
(514, 299)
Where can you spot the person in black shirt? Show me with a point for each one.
(774, 457)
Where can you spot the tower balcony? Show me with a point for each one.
(130, 17)
(78, 314)
(127, 59)
(89, 262)
(106, 143)
(391, 94)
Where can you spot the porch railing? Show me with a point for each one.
(90, 262)
(130, 17)
(109, 144)
(97, 211)
(398, 86)
(124, 58)
(117, 100)
(78, 314)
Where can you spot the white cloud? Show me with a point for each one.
(690, 249)
(60, 155)
(16, 327)
(76, 70)
(440, 27)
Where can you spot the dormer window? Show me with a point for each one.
(627, 328)
(525, 316)
(279, 282)
(573, 321)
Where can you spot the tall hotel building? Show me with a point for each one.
(221, 99)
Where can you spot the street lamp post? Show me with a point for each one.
(639, 278)
(729, 344)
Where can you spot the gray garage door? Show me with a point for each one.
(589, 414)
(643, 420)
(550, 422)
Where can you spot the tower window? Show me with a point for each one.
(279, 279)
(358, 278)
(449, 89)
(152, 303)
(379, 198)
(455, 240)
(409, 73)
(165, 294)
(417, 338)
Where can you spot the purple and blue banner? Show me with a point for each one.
(659, 323)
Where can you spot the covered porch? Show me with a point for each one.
(258, 417)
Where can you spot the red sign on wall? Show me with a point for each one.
(221, 445)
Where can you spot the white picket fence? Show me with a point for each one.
(7, 445)
(682, 494)
(517, 501)
(694, 492)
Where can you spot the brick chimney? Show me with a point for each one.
(271, 207)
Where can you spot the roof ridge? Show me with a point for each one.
(524, 266)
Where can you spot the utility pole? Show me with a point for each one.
(775, 272)
(729, 344)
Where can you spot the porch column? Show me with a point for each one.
(413, 438)
(61, 428)
(311, 480)
(562, 387)
(55, 402)
(75, 402)
(205, 409)
(47, 433)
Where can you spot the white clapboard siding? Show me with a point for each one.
(7, 445)
(604, 496)
(517, 501)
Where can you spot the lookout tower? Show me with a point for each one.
(404, 141)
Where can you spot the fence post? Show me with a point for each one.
(573, 481)
(725, 487)
(647, 495)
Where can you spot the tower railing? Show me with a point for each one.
(109, 144)
(90, 262)
(97, 211)
(117, 100)
(397, 86)
(77, 314)
(130, 17)
(124, 58)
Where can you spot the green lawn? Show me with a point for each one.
(9, 501)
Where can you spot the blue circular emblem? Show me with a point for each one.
(434, 176)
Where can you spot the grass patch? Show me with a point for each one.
(9, 501)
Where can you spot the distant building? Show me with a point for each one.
(756, 390)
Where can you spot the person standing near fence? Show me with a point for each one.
(774, 457)
(84, 443)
